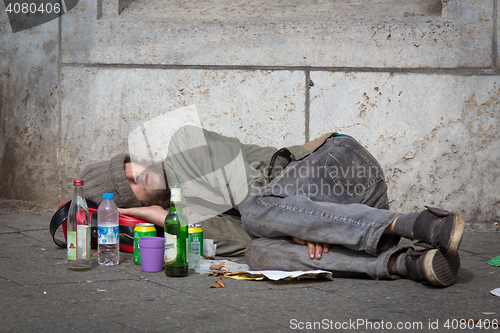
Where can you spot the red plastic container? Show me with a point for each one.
(127, 225)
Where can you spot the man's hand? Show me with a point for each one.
(315, 249)
(152, 214)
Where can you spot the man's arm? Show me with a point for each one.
(151, 214)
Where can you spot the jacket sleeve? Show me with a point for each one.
(211, 168)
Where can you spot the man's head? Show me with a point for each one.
(132, 184)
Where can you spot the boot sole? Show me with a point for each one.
(456, 234)
(441, 269)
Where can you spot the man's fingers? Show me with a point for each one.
(319, 250)
(299, 241)
(315, 249)
(124, 211)
(311, 246)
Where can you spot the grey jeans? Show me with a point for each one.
(336, 195)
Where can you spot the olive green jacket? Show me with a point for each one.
(218, 173)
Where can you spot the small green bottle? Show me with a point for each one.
(176, 236)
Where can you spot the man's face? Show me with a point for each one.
(148, 185)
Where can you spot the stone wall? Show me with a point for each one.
(416, 83)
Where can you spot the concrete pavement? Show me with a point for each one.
(39, 294)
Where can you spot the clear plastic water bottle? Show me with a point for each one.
(108, 241)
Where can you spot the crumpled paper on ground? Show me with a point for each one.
(209, 248)
(242, 271)
(203, 266)
(495, 292)
(280, 275)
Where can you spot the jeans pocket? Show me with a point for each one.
(352, 168)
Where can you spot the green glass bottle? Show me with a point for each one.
(176, 236)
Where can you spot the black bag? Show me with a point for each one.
(126, 225)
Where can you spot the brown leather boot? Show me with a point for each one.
(429, 265)
(440, 229)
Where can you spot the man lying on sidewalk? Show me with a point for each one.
(328, 194)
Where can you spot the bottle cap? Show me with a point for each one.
(108, 196)
(78, 182)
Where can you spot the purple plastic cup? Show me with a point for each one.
(152, 250)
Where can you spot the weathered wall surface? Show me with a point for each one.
(29, 112)
(436, 136)
(415, 82)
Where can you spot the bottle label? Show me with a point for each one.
(71, 238)
(175, 195)
(195, 246)
(89, 235)
(83, 241)
(107, 235)
(170, 248)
